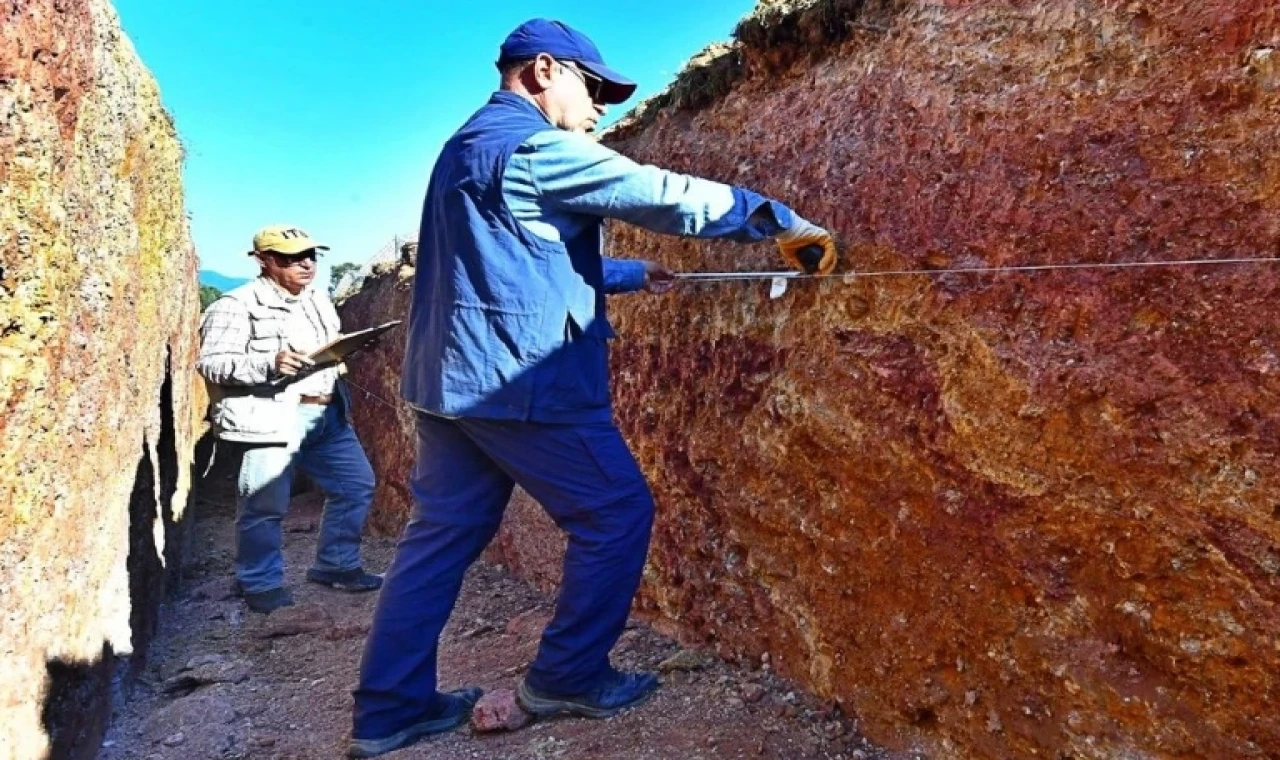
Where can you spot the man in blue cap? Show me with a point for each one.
(507, 368)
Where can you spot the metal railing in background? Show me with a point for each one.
(400, 249)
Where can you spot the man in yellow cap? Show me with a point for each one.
(254, 343)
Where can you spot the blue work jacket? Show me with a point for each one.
(509, 324)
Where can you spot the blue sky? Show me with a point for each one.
(328, 115)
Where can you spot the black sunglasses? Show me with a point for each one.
(288, 260)
(593, 83)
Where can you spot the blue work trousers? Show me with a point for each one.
(586, 479)
(327, 449)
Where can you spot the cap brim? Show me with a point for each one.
(616, 88)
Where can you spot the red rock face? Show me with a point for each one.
(98, 406)
(995, 515)
(385, 424)
(1005, 515)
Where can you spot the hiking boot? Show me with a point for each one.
(618, 692)
(355, 580)
(454, 712)
(268, 601)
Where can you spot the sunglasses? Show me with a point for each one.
(286, 261)
(593, 83)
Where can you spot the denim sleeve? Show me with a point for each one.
(623, 275)
(571, 172)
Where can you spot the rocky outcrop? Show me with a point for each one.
(993, 515)
(385, 425)
(98, 311)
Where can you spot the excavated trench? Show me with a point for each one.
(968, 514)
(992, 514)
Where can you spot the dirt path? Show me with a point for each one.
(223, 682)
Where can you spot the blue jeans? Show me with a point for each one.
(330, 453)
(586, 479)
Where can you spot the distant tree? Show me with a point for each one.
(338, 272)
(208, 294)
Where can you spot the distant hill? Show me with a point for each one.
(220, 281)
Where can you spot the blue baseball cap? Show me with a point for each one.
(558, 40)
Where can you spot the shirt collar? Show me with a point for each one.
(510, 97)
(269, 292)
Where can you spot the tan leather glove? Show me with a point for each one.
(795, 243)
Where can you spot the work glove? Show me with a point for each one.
(807, 247)
(657, 278)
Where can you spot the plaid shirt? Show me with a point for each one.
(235, 352)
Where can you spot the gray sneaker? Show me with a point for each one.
(456, 711)
(267, 602)
(355, 580)
(618, 692)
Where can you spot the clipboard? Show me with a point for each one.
(337, 350)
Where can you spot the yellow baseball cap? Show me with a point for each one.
(285, 239)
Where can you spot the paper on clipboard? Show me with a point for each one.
(337, 350)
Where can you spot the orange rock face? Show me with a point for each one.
(98, 305)
(994, 515)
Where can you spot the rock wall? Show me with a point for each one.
(998, 516)
(98, 310)
(529, 542)
(385, 425)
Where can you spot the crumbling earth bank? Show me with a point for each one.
(995, 516)
(98, 311)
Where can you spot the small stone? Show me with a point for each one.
(217, 590)
(345, 632)
(735, 703)
(295, 620)
(752, 692)
(478, 631)
(994, 724)
(208, 672)
(528, 624)
(173, 740)
(498, 711)
(685, 660)
(204, 708)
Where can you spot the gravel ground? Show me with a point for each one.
(223, 682)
